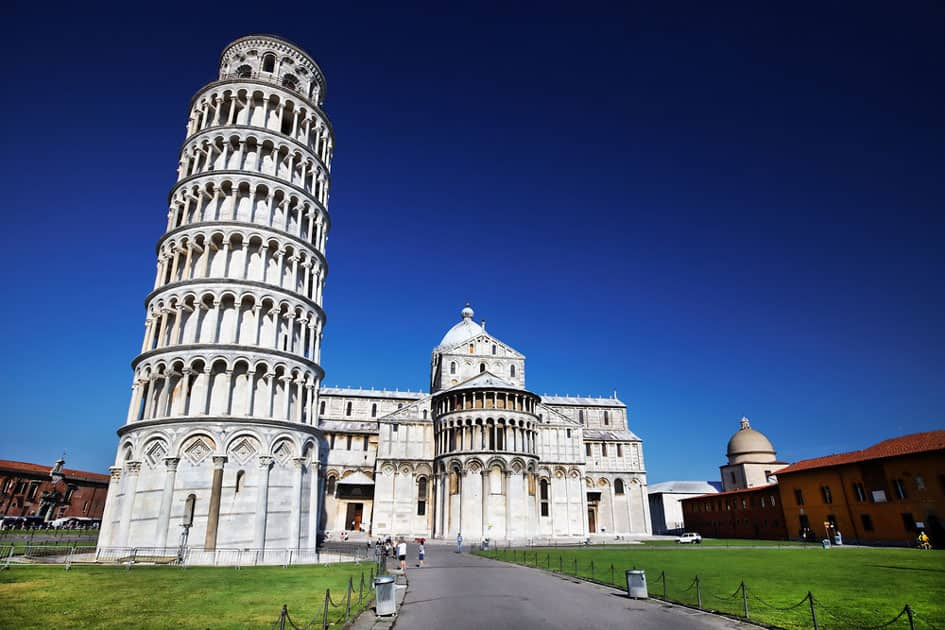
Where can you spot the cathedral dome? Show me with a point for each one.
(462, 331)
(748, 445)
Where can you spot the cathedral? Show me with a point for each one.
(232, 442)
(480, 454)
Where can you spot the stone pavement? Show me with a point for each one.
(465, 591)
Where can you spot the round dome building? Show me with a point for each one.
(752, 459)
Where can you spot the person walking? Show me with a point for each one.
(402, 555)
(420, 554)
(459, 542)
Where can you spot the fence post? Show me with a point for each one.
(325, 614)
(663, 577)
(547, 560)
(575, 566)
(282, 616)
(745, 599)
(611, 572)
(813, 613)
(560, 564)
(909, 614)
(699, 593)
(348, 598)
(361, 589)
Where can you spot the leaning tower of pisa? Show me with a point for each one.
(220, 447)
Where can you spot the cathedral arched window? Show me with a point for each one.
(424, 414)
(493, 349)
(511, 370)
(269, 63)
(482, 367)
(421, 496)
(239, 480)
(606, 418)
(330, 486)
(581, 416)
(618, 486)
(543, 496)
(348, 409)
(472, 348)
(452, 367)
(374, 410)
(321, 408)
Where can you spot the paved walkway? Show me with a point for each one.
(465, 591)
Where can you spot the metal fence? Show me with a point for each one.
(184, 557)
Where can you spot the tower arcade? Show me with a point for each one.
(220, 445)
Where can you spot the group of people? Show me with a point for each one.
(385, 547)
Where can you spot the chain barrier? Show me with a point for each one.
(285, 618)
(854, 623)
(732, 596)
(924, 620)
(752, 596)
(691, 586)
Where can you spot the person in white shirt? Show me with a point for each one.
(402, 555)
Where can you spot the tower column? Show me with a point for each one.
(167, 498)
(213, 518)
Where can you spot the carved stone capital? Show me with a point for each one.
(171, 463)
(133, 467)
(218, 461)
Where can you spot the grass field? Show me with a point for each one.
(172, 597)
(852, 587)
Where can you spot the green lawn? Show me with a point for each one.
(852, 587)
(172, 597)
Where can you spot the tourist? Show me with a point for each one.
(402, 555)
(420, 553)
(459, 542)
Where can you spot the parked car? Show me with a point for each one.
(689, 537)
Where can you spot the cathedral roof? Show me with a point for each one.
(685, 487)
(583, 401)
(484, 380)
(610, 436)
(465, 329)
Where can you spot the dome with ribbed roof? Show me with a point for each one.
(750, 446)
(465, 329)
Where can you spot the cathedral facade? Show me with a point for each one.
(232, 442)
(480, 454)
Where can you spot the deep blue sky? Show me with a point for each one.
(716, 210)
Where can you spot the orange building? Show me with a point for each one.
(884, 494)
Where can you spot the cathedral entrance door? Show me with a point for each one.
(354, 516)
(591, 520)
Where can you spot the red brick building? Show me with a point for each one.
(50, 493)
(747, 513)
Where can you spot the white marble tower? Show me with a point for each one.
(220, 447)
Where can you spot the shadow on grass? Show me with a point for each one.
(890, 566)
